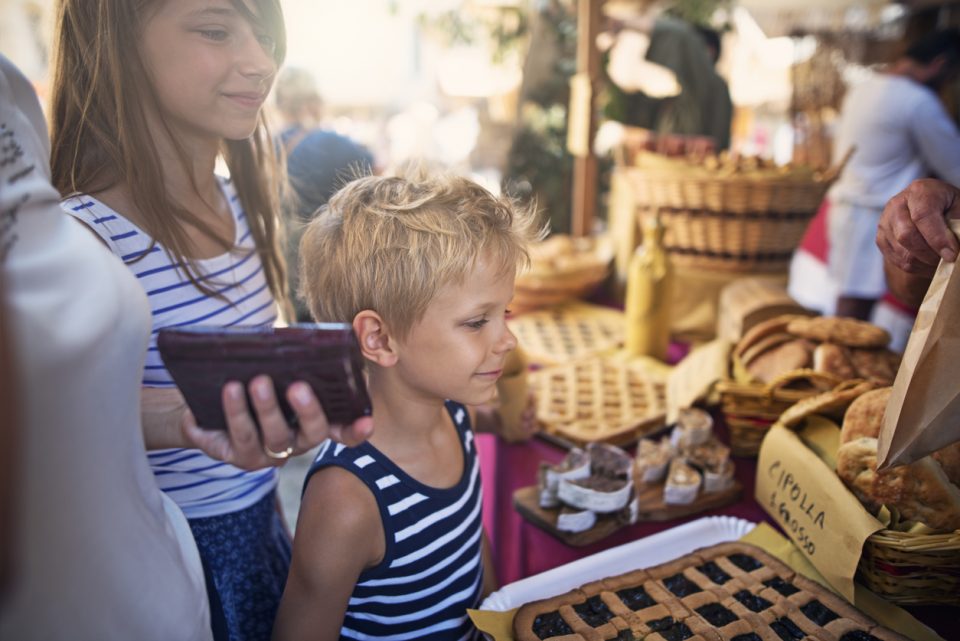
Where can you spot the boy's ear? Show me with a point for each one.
(375, 341)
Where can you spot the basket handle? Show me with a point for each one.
(832, 173)
(786, 378)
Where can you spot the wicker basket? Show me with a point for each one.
(751, 409)
(557, 279)
(725, 220)
(912, 569)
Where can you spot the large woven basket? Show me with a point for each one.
(749, 222)
(912, 569)
(555, 278)
(751, 409)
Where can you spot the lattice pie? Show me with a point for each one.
(599, 400)
(727, 592)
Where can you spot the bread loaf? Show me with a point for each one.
(924, 491)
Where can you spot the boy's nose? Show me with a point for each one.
(508, 341)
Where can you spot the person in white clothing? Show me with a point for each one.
(99, 552)
(893, 129)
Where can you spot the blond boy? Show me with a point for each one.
(390, 541)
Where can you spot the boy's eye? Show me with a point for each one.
(477, 324)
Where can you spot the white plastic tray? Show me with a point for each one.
(652, 550)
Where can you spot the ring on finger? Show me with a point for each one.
(278, 456)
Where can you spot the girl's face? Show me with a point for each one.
(457, 350)
(211, 69)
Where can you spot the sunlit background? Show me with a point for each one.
(481, 86)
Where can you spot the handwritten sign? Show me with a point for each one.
(811, 504)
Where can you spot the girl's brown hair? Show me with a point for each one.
(100, 138)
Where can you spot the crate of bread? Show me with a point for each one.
(785, 359)
(728, 212)
(898, 529)
(562, 268)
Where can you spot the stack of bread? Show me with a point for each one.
(840, 348)
(925, 491)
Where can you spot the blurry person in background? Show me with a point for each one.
(718, 113)
(664, 77)
(319, 162)
(894, 129)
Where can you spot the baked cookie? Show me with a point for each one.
(843, 331)
(921, 491)
(830, 403)
(879, 364)
(834, 359)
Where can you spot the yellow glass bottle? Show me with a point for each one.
(649, 279)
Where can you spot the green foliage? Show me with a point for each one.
(698, 12)
(539, 165)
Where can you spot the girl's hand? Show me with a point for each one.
(243, 446)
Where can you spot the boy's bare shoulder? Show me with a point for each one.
(334, 488)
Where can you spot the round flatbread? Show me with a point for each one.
(880, 364)
(843, 331)
(865, 415)
(824, 403)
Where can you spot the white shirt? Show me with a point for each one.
(103, 554)
(900, 132)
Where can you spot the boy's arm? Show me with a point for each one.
(339, 533)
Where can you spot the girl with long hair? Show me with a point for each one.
(148, 96)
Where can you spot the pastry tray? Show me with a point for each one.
(646, 552)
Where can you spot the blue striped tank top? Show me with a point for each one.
(432, 570)
(200, 485)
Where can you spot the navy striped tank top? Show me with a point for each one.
(432, 570)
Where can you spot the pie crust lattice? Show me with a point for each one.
(568, 332)
(727, 592)
(606, 399)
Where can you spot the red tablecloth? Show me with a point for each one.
(521, 549)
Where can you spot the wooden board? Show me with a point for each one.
(526, 500)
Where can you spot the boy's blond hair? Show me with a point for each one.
(389, 244)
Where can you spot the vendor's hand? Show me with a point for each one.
(243, 446)
(913, 234)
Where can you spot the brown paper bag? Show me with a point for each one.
(923, 414)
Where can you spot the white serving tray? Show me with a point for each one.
(642, 553)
